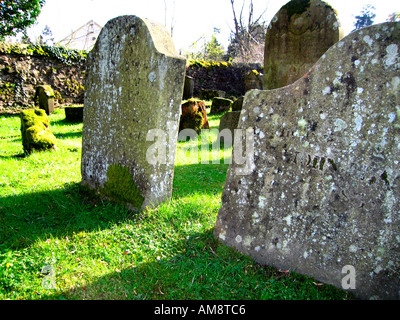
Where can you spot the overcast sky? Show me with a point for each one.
(191, 19)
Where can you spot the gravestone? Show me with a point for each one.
(188, 88)
(133, 94)
(35, 131)
(45, 95)
(194, 115)
(253, 80)
(298, 35)
(238, 104)
(209, 94)
(219, 105)
(74, 113)
(230, 121)
(322, 196)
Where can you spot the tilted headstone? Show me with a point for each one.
(323, 194)
(194, 115)
(45, 95)
(133, 94)
(188, 88)
(298, 35)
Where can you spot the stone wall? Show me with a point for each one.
(21, 71)
(220, 76)
(22, 68)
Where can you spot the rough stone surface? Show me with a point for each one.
(298, 35)
(35, 131)
(45, 96)
(253, 80)
(188, 88)
(220, 105)
(230, 121)
(238, 104)
(22, 72)
(209, 94)
(194, 115)
(74, 113)
(134, 85)
(324, 188)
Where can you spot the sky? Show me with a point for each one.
(191, 19)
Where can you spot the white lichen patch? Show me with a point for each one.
(367, 39)
(392, 55)
(340, 125)
(326, 90)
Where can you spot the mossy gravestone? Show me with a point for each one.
(298, 35)
(134, 86)
(35, 130)
(45, 95)
(323, 196)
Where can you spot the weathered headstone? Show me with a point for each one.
(188, 88)
(35, 131)
(74, 113)
(220, 105)
(194, 115)
(253, 80)
(238, 104)
(230, 121)
(133, 91)
(298, 35)
(323, 196)
(45, 95)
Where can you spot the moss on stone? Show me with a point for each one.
(121, 188)
(35, 129)
(209, 64)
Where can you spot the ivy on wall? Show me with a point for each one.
(64, 55)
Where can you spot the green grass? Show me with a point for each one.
(101, 250)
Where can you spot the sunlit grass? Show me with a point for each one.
(101, 250)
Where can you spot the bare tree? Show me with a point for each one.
(172, 17)
(248, 37)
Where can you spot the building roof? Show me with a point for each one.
(83, 38)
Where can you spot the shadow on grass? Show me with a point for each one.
(204, 269)
(29, 217)
(68, 135)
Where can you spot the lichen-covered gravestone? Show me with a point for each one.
(298, 35)
(323, 196)
(134, 86)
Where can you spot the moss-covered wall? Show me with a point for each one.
(223, 76)
(24, 67)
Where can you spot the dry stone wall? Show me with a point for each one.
(21, 73)
(322, 195)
